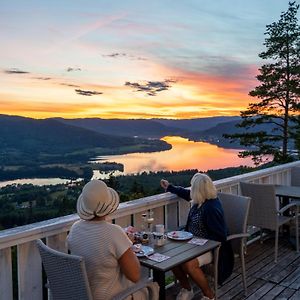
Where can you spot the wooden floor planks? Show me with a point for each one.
(265, 279)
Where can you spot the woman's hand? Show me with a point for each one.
(164, 184)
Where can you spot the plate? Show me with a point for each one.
(144, 251)
(179, 235)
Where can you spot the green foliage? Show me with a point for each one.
(29, 142)
(278, 93)
(24, 204)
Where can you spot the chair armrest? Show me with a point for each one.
(150, 285)
(237, 236)
(288, 206)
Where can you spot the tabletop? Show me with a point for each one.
(179, 252)
(288, 191)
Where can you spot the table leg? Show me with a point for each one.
(159, 277)
(285, 200)
(216, 259)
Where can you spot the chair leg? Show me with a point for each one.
(276, 243)
(297, 228)
(243, 267)
(261, 236)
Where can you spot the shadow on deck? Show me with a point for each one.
(265, 279)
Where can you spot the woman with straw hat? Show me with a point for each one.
(110, 263)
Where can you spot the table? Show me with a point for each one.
(285, 193)
(179, 252)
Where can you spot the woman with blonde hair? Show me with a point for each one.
(205, 220)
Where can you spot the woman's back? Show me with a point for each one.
(101, 244)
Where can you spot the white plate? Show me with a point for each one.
(179, 235)
(145, 251)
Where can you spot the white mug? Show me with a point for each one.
(160, 228)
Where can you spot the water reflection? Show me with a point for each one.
(184, 155)
(37, 181)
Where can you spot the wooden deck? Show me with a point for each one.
(265, 279)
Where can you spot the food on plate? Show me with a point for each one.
(136, 248)
(174, 234)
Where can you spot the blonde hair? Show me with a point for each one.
(202, 188)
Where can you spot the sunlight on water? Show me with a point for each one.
(36, 181)
(184, 155)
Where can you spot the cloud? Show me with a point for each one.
(15, 71)
(122, 54)
(42, 78)
(114, 55)
(87, 93)
(73, 69)
(70, 85)
(151, 87)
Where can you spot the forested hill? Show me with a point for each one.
(199, 124)
(121, 127)
(147, 128)
(52, 136)
(79, 139)
(231, 128)
(214, 134)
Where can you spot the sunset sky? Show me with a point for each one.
(131, 59)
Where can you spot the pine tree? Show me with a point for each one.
(268, 122)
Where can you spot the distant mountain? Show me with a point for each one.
(154, 128)
(52, 136)
(49, 140)
(231, 128)
(119, 127)
(197, 125)
(214, 134)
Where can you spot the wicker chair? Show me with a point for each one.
(295, 176)
(265, 211)
(236, 209)
(68, 279)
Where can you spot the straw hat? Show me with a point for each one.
(96, 200)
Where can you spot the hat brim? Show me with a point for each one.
(102, 209)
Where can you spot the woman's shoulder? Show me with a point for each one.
(212, 204)
(76, 224)
(115, 229)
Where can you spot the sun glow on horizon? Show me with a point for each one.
(109, 61)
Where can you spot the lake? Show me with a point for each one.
(35, 181)
(184, 155)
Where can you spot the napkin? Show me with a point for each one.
(197, 241)
(158, 257)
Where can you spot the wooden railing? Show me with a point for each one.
(167, 208)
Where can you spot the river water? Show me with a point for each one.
(184, 155)
(35, 181)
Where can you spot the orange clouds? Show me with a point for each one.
(193, 95)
